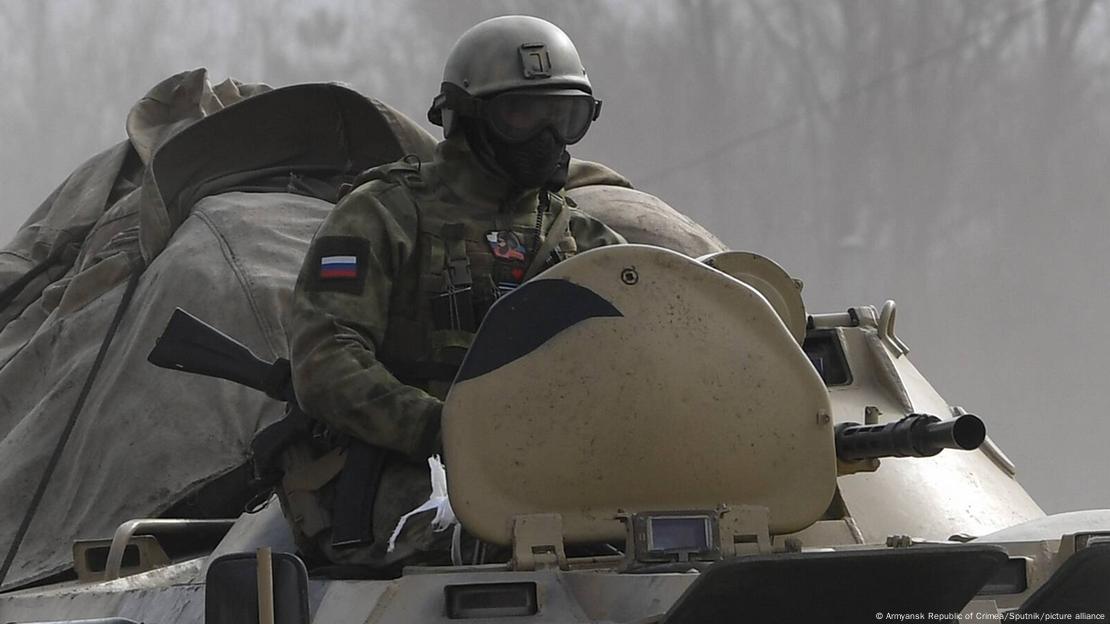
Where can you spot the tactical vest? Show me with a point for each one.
(457, 270)
(438, 299)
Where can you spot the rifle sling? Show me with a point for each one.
(268, 444)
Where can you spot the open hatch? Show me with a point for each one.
(633, 393)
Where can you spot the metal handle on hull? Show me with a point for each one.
(128, 529)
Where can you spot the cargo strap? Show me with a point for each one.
(458, 262)
(61, 253)
(456, 295)
(71, 421)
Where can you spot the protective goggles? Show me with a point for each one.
(517, 116)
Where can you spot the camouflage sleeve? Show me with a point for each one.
(589, 233)
(339, 316)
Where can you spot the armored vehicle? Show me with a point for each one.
(703, 449)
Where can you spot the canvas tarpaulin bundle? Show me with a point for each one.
(214, 204)
(210, 206)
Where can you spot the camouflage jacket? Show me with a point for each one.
(375, 336)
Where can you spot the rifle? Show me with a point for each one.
(190, 345)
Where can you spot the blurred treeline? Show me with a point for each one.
(945, 153)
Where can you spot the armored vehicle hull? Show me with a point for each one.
(685, 463)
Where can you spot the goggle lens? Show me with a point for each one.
(517, 117)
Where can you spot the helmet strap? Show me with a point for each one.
(457, 101)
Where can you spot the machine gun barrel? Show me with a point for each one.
(916, 435)
(191, 345)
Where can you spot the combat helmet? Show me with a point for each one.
(519, 73)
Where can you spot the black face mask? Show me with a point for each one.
(539, 162)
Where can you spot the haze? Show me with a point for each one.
(950, 155)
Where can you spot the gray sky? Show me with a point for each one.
(944, 154)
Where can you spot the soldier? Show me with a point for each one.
(402, 271)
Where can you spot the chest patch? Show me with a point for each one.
(506, 245)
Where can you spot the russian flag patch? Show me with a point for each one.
(338, 267)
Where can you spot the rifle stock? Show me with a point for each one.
(189, 344)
